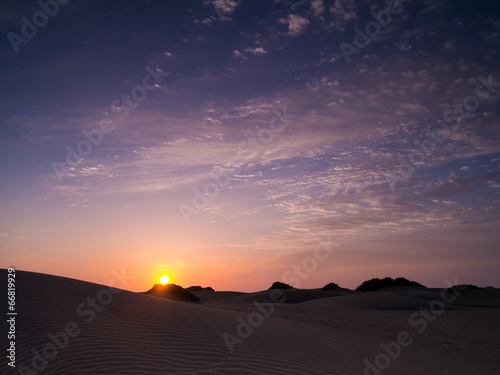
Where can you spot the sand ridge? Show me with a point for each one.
(140, 334)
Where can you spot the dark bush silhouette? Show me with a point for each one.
(376, 283)
(401, 281)
(462, 288)
(331, 286)
(175, 291)
(198, 288)
(280, 285)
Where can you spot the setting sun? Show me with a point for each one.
(164, 279)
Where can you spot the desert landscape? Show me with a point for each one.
(67, 326)
(250, 187)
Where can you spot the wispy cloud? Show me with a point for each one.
(343, 12)
(318, 7)
(256, 50)
(296, 24)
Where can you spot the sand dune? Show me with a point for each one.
(133, 333)
(288, 296)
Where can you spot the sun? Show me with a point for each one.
(164, 279)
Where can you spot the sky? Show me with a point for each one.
(235, 143)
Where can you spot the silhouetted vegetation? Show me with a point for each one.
(376, 283)
(280, 285)
(331, 286)
(175, 291)
(198, 288)
(462, 288)
(401, 281)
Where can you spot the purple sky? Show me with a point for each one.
(222, 141)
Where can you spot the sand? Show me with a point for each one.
(316, 332)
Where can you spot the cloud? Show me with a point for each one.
(431, 5)
(296, 24)
(454, 186)
(225, 8)
(238, 54)
(414, 107)
(207, 21)
(343, 12)
(256, 51)
(318, 7)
